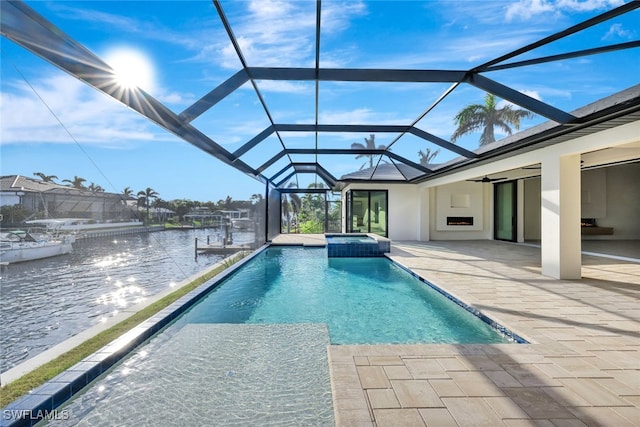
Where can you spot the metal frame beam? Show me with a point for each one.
(380, 129)
(215, 96)
(519, 98)
(327, 177)
(350, 151)
(280, 172)
(568, 55)
(304, 190)
(28, 29)
(254, 141)
(286, 178)
(356, 75)
(620, 10)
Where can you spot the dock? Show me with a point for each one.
(221, 247)
(221, 250)
(113, 232)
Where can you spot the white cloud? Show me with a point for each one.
(175, 98)
(587, 5)
(527, 9)
(337, 15)
(357, 116)
(617, 31)
(149, 29)
(89, 116)
(276, 33)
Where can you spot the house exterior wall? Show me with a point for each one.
(403, 208)
(532, 209)
(463, 199)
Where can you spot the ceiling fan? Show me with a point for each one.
(487, 179)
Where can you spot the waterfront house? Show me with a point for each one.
(39, 199)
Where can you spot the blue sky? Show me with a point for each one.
(52, 123)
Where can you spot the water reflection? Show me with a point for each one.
(46, 301)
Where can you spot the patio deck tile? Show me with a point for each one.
(473, 411)
(398, 418)
(581, 368)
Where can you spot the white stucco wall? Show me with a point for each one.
(532, 209)
(403, 209)
(443, 203)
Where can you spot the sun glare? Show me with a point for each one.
(132, 68)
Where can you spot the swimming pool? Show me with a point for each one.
(252, 351)
(362, 300)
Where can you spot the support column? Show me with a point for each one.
(560, 217)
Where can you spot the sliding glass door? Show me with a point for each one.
(504, 208)
(367, 212)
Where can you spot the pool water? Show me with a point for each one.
(362, 300)
(253, 351)
(350, 239)
(215, 375)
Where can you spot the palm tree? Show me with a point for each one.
(256, 198)
(127, 193)
(45, 178)
(94, 188)
(486, 117)
(427, 156)
(291, 203)
(77, 182)
(228, 203)
(370, 145)
(144, 198)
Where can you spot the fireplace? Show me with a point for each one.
(460, 220)
(590, 227)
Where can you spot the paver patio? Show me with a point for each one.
(581, 368)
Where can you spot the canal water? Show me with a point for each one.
(44, 302)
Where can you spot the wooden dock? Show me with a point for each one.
(219, 249)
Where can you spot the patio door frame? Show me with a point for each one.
(499, 203)
(373, 210)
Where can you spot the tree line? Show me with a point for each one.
(149, 198)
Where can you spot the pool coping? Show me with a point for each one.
(42, 402)
(501, 329)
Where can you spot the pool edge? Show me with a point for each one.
(501, 329)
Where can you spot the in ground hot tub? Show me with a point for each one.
(356, 245)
